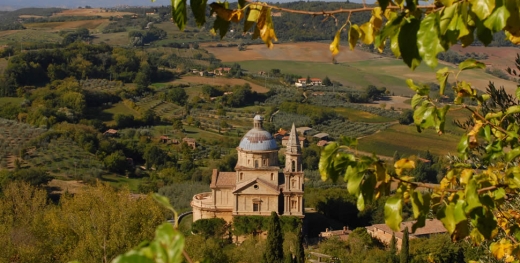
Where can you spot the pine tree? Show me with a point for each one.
(393, 249)
(405, 247)
(299, 252)
(274, 250)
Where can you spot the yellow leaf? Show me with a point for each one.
(265, 25)
(376, 19)
(465, 175)
(353, 36)
(227, 14)
(404, 164)
(501, 249)
(367, 33)
(334, 46)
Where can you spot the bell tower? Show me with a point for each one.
(294, 177)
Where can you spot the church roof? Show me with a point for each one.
(258, 139)
(247, 183)
(222, 179)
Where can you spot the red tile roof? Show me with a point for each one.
(223, 179)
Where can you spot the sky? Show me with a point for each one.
(94, 3)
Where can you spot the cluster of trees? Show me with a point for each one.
(94, 225)
(456, 58)
(141, 37)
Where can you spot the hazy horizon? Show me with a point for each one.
(17, 4)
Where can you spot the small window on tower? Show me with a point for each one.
(265, 162)
(256, 163)
(241, 176)
(272, 176)
(293, 166)
(293, 204)
(293, 183)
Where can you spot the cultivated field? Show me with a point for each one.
(306, 51)
(498, 57)
(354, 68)
(91, 12)
(218, 81)
(29, 35)
(89, 24)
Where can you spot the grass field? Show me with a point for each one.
(118, 108)
(407, 141)
(360, 116)
(89, 24)
(91, 12)
(217, 81)
(121, 181)
(5, 100)
(29, 35)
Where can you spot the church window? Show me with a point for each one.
(256, 187)
(293, 204)
(293, 166)
(272, 176)
(256, 207)
(265, 162)
(256, 163)
(293, 182)
(241, 176)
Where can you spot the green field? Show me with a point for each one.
(121, 181)
(118, 108)
(13, 100)
(360, 116)
(407, 141)
(29, 35)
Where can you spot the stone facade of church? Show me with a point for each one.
(258, 186)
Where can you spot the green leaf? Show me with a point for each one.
(170, 239)
(390, 30)
(326, 164)
(394, 45)
(241, 4)
(482, 8)
(484, 34)
(511, 155)
(454, 219)
(428, 41)
(513, 110)
(517, 93)
(442, 77)
(440, 121)
(383, 4)
(408, 43)
(421, 208)
(416, 99)
(360, 202)
(133, 257)
(221, 25)
(472, 199)
(353, 178)
(353, 35)
(179, 13)
(393, 212)
(498, 19)
(198, 7)
(471, 64)
(424, 115)
(447, 16)
(484, 221)
(163, 200)
(462, 147)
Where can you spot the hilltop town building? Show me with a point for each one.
(257, 186)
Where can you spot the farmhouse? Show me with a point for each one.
(341, 234)
(256, 187)
(285, 141)
(384, 233)
(191, 142)
(304, 130)
(110, 132)
(302, 82)
(221, 71)
(322, 136)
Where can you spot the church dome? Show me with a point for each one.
(258, 139)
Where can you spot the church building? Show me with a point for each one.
(257, 186)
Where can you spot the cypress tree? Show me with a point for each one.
(299, 250)
(274, 250)
(393, 249)
(405, 247)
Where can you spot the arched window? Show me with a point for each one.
(241, 176)
(265, 162)
(272, 176)
(293, 166)
(256, 163)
